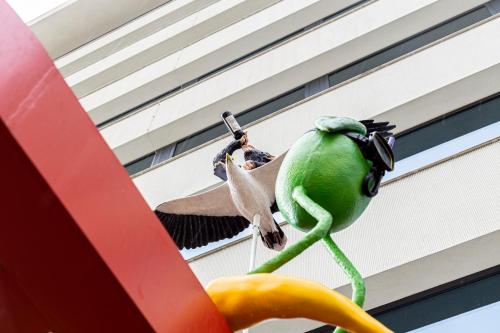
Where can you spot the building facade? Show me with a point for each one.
(155, 81)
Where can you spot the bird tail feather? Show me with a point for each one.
(274, 240)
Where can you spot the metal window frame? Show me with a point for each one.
(323, 82)
(385, 312)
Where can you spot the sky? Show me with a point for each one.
(31, 9)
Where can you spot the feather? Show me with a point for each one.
(383, 127)
(192, 231)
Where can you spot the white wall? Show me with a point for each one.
(396, 92)
(129, 33)
(209, 53)
(306, 58)
(422, 230)
(158, 45)
(78, 22)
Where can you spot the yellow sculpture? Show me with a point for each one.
(247, 300)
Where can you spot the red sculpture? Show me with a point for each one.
(72, 259)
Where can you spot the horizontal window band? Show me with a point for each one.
(213, 72)
(455, 135)
(348, 72)
(471, 292)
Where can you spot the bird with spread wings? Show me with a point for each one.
(228, 209)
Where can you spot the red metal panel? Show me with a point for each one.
(78, 245)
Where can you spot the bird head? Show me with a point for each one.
(231, 168)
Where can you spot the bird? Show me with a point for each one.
(226, 210)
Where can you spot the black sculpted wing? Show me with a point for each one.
(199, 219)
(192, 231)
(384, 127)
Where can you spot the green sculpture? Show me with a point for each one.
(326, 181)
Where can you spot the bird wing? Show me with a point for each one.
(214, 202)
(203, 218)
(383, 127)
(267, 173)
(192, 231)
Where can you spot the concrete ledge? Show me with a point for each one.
(213, 51)
(78, 22)
(419, 275)
(305, 58)
(422, 230)
(175, 37)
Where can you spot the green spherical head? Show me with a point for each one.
(331, 168)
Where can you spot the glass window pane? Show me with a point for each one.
(243, 119)
(485, 319)
(408, 45)
(235, 61)
(402, 149)
(447, 128)
(472, 304)
(140, 164)
(445, 305)
(271, 106)
(200, 138)
(164, 154)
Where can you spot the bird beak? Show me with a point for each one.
(228, 158)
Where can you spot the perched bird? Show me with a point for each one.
(228, 209)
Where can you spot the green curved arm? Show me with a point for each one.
(317, 233)
(320, 231)
(358, 285)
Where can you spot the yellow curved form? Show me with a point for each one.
(250, 299)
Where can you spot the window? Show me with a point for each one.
(334, 78)
(243, 118)
(163, 154)
(272, 106)
(200, 138)
(140, 164)
(417, 147)
(408, 45)
(238, 60)
(471, 304)
(448, 127)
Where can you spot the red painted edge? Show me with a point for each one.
(80, 250)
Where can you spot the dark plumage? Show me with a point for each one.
(257, 156)
(273, 237)
(217, 214)
(381, 127)
(192, 231)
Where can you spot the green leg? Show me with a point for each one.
(358, 285)
(317, 233)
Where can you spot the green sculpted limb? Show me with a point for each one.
(358, 285)
(317, 233)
